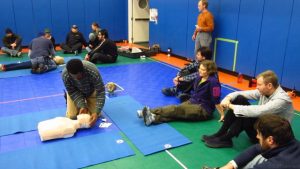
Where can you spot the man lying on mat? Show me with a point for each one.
(241, 116)
(85, 89)
(204, 99)
(27, 64)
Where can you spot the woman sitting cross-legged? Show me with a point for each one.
(204, 99)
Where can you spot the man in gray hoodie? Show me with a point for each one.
(241, 115)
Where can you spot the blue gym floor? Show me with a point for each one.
(143, 82)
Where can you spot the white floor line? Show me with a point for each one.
(180, 163)
(31, 98)
(165, 64)
(228, 88)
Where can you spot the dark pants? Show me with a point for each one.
(185, 87)
(233, 126)
(17, 66)
(100, 57)
(71, 48)
(186, 111)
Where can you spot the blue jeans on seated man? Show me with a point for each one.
(11, 52)
(42, 64)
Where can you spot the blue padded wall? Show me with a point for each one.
(60, 20)
(92, 13)
(28, 17)
(192, 21)
(225, 55)
(41, 15)
(24, 20)
(7, 17)
(248, 33)
(76, 13)
(226, 27)
(274, 33)
(291, 70)
(157, 31)
(178, 13)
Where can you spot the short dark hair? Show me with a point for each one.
(277, 127)
(74, 66)
(8, 30)
(206, 52)
(95, 24)
(104, 32)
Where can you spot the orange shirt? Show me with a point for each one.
(206, 21)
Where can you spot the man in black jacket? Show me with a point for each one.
(74, 41)
(105, 52)
(12, 43)
(277, 147)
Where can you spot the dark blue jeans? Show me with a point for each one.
(17, 66)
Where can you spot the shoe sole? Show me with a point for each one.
(139, 114)
(218, 146)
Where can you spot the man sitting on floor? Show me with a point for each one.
(242, 116)
(74, 41)
(185, 77)
(12, 43)
(277, 147)
(105, 52)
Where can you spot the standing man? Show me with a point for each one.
(12, 43)
(241, 115)
(85, 89)
(205, 26)
(105, 52)
(74, 41)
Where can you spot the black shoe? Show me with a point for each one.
(183, 97)
(219, 143)
(172, 91)
(204, 138)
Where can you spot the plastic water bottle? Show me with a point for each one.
(240, 78)
(142, 57)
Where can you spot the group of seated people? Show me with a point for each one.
(42, 49)
(266, 123)
(197, 86)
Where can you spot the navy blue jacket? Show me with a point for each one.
(283, 157)
(206, 94)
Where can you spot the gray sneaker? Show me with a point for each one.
(139, 113)
(148, 116)
(19, 54)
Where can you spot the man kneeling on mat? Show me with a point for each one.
(85, 89)
(204, 99)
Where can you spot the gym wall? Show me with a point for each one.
(28, 17)
(264, 34)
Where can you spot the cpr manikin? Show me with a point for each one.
(62, 127)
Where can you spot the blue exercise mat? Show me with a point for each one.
(69, 153)
(27, 72)
(87, 147)
(122, 111)
(28, 121)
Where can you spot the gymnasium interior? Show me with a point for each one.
(249, 37)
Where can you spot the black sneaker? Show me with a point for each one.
(183, 97)
(172, 91)
(219, 143)
(204, 138)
